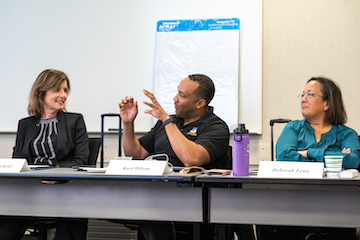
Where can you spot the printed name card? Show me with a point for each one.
(13, 165)
(287, 169)
(138, 167)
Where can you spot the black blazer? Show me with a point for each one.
(72, 140)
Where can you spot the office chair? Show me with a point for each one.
(40, 227)
(94, 145)
(272, 122)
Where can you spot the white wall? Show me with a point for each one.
(107, 49)
(301, 39)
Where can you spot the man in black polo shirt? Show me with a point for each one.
(193, 137)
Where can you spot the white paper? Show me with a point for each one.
(214, 53)
(287, 169)
(137, 167)
(13, 165)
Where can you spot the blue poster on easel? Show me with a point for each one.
(206, 46)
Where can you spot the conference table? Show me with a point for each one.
(287, 202)
(68, 193)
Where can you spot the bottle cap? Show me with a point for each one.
(241, 129)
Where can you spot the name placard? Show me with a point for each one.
(287, 169)
(137, 167)
(13, 165)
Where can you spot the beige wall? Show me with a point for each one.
(301, 39)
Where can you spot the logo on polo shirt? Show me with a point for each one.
(193, 131)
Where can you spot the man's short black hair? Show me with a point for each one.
(206, 88)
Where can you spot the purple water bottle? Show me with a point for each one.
(240, 158)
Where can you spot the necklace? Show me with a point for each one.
(324, 129)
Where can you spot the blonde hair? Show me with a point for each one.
(47, 80)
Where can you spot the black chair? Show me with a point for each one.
(272, 122)
(94, 145)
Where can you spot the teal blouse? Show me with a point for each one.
(299, 135)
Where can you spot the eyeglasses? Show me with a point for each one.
(307, 95)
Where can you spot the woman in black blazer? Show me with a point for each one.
(50, 136)
(72, 143)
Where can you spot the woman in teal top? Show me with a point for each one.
(322, 132)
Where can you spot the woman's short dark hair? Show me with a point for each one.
(47, 80)
(206, 88)
(336, 114)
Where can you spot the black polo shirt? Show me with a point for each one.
(209, 131)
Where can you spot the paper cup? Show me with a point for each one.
(333, 165)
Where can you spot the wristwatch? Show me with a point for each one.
(167, 121)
